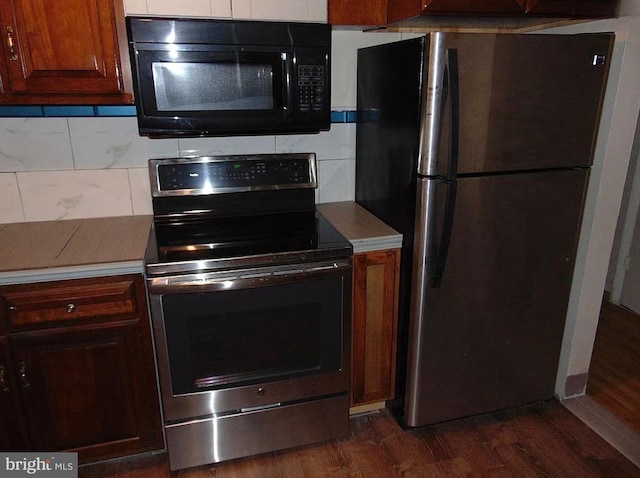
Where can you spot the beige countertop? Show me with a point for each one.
(364, 230)
(50, 250)
(76, 248)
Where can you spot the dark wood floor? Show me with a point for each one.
(544, 440)
(614, 374)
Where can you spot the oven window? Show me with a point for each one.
(240, 337)
(213, 86)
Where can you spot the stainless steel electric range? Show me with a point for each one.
(250, 296)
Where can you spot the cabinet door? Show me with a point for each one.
(88, 389)
(402, 9)
(64, 53)
(11, 432)
(375, 312)
(572, 8)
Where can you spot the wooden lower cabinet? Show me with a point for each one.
(11, 431)
(83, 382)
(375, 316)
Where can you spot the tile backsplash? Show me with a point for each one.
(96, 166)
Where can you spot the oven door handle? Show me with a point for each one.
(246, 278)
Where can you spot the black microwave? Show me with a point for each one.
(203, 77)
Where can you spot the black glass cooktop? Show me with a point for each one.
(250, 240)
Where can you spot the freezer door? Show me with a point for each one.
(528, 101)
(488, 336)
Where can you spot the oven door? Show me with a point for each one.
(228, 341)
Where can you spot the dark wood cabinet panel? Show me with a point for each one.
(401, 9)
(86, 390)
(11, 431)
(64, 54)
(363, 12)
(68, 301)
(375, 314)
(85, 383)
(357, 12)
(572, 8)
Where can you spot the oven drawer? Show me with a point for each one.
(236, 435)
(71, 301)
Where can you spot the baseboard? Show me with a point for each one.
(608, 426)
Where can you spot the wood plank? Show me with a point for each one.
(541, 440)
(614, 374)
(109, 239)
(34, 245)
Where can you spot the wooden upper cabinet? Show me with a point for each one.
(401, 9)
(572, 8)
(358, 12)
(64, 53)
(365, 12)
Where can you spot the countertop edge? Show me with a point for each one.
(71, 272)
(376, 243)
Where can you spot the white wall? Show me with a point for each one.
(604, 196)
(64, 168)
(299, 10)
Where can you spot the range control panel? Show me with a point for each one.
(223, 174)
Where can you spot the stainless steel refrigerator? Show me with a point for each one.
(477, 147)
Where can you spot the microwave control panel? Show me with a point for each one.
(311, 88)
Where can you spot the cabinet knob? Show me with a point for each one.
(12, 49)
(24, 380)
(3, 382)
(13, 308)
(71, 308)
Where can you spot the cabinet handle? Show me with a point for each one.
(71, 308)
(23, 375)
(12, 49)
(3, 382)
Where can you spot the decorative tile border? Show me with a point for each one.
(342, 116)
(66, 111)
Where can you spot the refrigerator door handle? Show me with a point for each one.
(440, 71)
(445, 236)
(433, 74)
(435, 208)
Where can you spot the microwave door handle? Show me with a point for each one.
(287, 84)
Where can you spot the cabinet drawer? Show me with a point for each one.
(105, 298)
